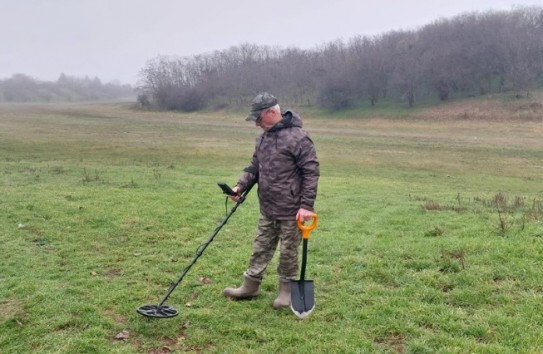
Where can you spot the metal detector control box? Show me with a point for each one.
(226, 189)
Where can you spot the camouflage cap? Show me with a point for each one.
(261, 101)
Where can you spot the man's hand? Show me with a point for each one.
(304, 215)
(236, 198)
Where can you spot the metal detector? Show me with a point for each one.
(163, 311)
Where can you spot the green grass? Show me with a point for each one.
(429, 239)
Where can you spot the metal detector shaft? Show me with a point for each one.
(202, 248)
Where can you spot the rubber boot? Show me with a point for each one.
(283, 299)
(248, 290)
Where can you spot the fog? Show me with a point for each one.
(112, 40)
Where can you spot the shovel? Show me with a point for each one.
(302, 298)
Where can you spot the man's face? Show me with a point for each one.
(266, 120)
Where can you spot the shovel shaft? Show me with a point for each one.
(304, 259)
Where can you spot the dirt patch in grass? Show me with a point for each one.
(112, 273)
(116, 317)
(10, 309)
(394, 341)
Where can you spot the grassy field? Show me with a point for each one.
(430, 236)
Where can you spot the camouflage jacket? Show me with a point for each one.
(286, 168)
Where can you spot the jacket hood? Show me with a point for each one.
(290, 119)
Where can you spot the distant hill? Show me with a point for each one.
(23, 88)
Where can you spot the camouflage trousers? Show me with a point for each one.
(269, 234)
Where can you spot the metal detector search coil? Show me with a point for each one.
(157, 311)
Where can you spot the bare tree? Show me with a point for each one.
(523, 44)
(467, 54)
(407, 74)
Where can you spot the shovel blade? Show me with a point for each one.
(302, 298)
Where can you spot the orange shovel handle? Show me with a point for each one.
(306, 229)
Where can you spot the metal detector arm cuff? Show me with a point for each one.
(246, 192)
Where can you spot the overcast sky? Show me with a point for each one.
(113, 39)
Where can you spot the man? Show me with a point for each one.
(286, 168)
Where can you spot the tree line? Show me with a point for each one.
(470, 54)
(23, 88)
